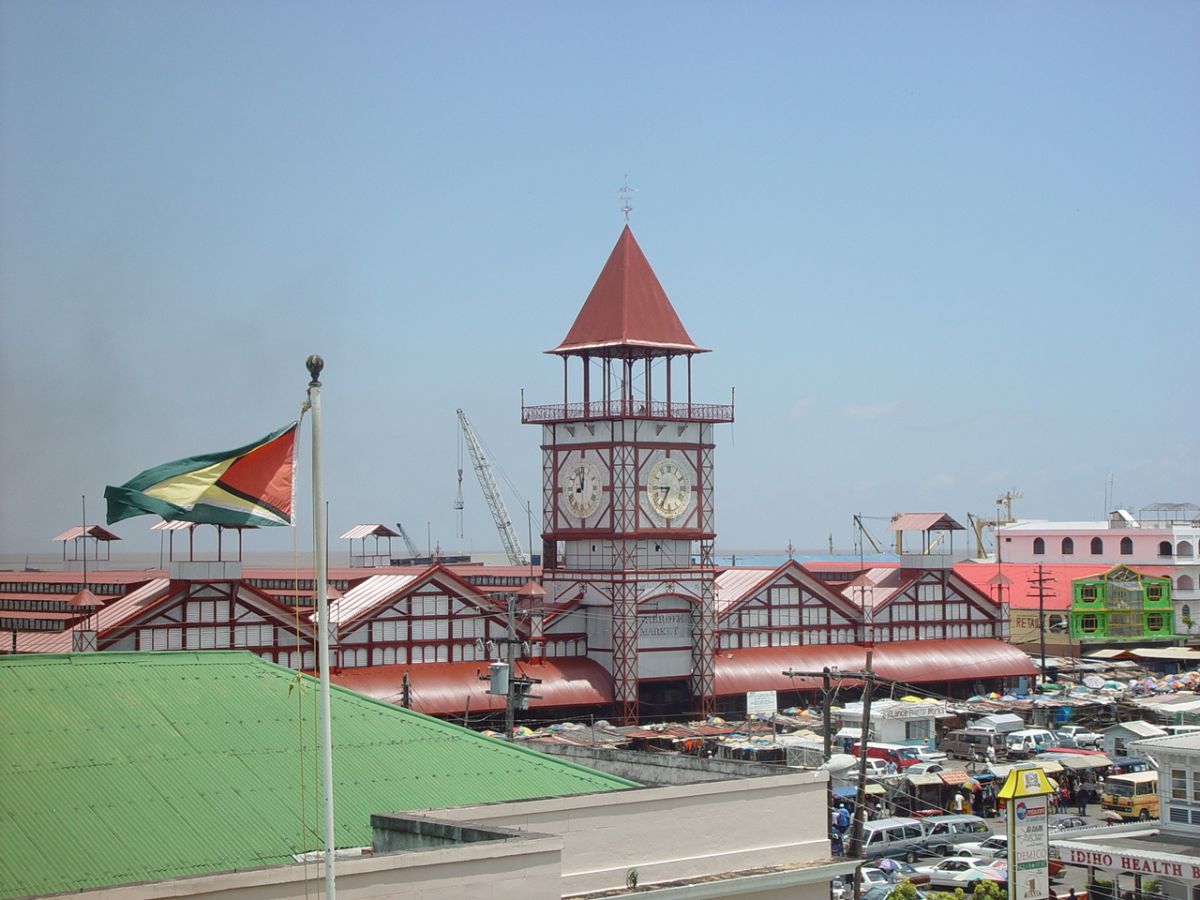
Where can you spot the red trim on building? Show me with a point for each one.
(440, 689)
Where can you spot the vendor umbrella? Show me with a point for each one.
(887, 865)
(984, 874)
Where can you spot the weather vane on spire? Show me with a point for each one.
(626, 193)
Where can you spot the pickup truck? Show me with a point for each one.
(1082, 736)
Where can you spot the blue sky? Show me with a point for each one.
(941, 250)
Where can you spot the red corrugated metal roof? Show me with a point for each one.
(960, 659)
(440, 689)
(34, 615)
(761, 668)
(915, 662)
(627, 308)
(1018, 592)
(74, 580)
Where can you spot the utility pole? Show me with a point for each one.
(510, 658)
(503, 676)
(826, 714)
(1039, 583)
(860, 795)
(855, 848)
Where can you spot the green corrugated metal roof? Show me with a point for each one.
(125, 767)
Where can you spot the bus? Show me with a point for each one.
(1132, 796)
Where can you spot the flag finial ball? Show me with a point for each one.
(315, 364)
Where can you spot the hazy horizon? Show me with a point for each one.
(940, 250)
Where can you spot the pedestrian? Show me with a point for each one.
(841, 818)
(991, 754)
(1071, 894)
(956, 805)
(1083, 792)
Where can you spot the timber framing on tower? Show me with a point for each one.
(628, 522)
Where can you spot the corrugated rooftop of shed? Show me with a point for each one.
(130, 767)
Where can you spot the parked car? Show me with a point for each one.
(942, 874)
(881, 892)
(1083, 737)
(944, 833)
(968, 743)
(1065, 822)
(907, 872)
(995, 847)
(1064, 741)
(876, 766)
(925, 768)
(893, 837)
(1025, 743)
(871, 876)
(1124, 765)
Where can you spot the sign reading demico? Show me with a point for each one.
(1026, 792)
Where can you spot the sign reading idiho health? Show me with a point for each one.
(1026, 794)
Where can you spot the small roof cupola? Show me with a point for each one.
(626, 335)
(627, 314)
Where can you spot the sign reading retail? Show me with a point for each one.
(761, 703)
(1026, 795)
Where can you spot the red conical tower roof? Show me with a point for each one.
(627, 310)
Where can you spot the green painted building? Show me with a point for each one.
(128, 767)
(1121, 605)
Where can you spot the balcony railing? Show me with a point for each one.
(625, 409)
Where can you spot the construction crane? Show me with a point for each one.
(483, 469)
(862, 532)
(978, 523)
(412, 548)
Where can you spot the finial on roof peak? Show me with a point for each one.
(626, 192)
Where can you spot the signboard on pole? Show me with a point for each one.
(761, 703)
(1026, 794)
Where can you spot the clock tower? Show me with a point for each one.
(627, 487)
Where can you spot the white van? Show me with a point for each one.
(895, 837)
(1028, 741)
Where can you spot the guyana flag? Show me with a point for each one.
(252, 485)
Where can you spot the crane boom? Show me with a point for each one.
(862, 532)
(483, 469)
(412, 548)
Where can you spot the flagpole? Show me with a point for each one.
(315, 364)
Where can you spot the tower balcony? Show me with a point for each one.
(626, 409)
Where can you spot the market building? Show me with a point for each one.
(628, 605)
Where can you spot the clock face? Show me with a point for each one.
(668, 488)
(581, 490)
